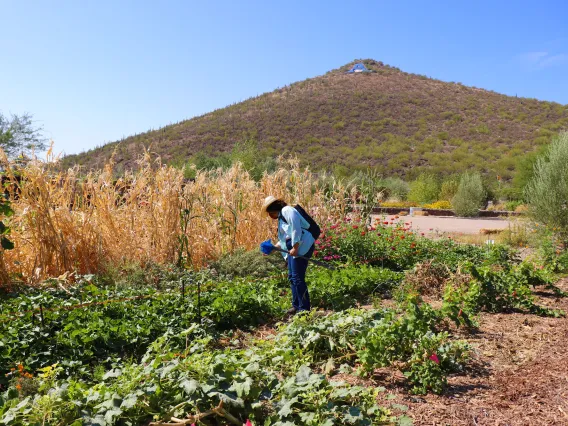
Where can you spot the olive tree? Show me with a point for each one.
(470, 195)
(547, 192)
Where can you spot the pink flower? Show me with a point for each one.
(248, 423)
(434, 358)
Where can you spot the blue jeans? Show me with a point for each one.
(297, 277)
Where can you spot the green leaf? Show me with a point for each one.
(303, 374)
(399, 407)
(112, 373)
(190, 386)
(129, 401)
(354, 415)
(404, 421)
(6, 243)
(286, 408)
(111, 414)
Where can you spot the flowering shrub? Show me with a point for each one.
(401, 204)
(443, 205)
(393, 245)
(386, 244)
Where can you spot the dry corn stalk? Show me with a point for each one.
(66, 221)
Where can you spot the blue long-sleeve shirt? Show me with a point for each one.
(295, 228)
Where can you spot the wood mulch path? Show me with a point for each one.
(519, 375)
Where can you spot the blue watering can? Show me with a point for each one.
(266, 247)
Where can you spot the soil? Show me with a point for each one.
(519, 375)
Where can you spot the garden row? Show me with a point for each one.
(173, 352)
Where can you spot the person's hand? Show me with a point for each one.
(294, 251)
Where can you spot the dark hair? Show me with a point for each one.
(276, 206)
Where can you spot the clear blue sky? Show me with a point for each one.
(93, 71)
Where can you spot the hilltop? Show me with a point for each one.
(396, 122)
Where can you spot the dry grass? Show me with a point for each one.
(428, 278)
(67, 222)
(518, 234)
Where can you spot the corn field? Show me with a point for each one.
(68, 221)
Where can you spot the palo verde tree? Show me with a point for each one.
(547, 192)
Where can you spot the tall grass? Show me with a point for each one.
(66, 221)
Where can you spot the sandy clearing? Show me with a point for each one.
(439, 224)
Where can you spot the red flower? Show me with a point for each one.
(422, 233)
(355, 226)
(362, 233)
(379, 234)
(402, 237)
(248, 423)
(385, 222)
(393, 248)
(315, 252)
(434, 358)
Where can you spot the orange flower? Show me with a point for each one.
(19, 387)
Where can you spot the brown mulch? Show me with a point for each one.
(519, 375)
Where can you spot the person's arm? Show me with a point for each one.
(295, 228)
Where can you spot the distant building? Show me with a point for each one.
(358, 68)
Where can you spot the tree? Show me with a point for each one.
(19, 135)
(470, 195)
(424, 189)
(547, 192)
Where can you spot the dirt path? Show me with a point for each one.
(520, 378)
(438, 224)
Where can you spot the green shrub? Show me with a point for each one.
(449, 189)
(470, 195)
(424, 189)
(397, 187)
(547, 192)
